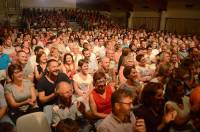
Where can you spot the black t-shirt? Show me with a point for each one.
(49, 88)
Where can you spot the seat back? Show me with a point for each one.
(34, 122)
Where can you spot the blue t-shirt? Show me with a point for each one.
(4, 61)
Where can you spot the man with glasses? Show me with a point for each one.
(121, 119)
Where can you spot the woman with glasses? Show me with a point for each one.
(19, 93)
(100, 97)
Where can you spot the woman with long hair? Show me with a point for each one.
(68, 66)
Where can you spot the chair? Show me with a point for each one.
(34, 122)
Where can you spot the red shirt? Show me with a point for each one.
(103, 104)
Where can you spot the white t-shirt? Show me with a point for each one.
(83, 84)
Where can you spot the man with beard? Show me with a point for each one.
(121, 119)
(46, 87)
(132, 83)
(195, 107)
(92, 61)
(100, 97)
(152, 108)
(110, 73)
(68, 106)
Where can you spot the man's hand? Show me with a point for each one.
(81, 107)
(140, 125)
(169, 116)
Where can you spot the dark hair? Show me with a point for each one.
(38, 56)
(12, 68)
(131, 45)
(119, 94)
(51, 60)
(125, 51)
(127, 71)
(149, 91)
(84, 50)
(163, 69)
(98, 75)
(64, 58)
(1, 42)
(37, 48)
(6, 127)
(139, 57)
(67, 125)
(85, 45)
(81, 62)
(20, 51)
(171, 88)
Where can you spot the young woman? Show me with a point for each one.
(39, 70)
(83, 81)
(68, 66)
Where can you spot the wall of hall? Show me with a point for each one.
(178, 18)
(146, 18)
(48, 3)
(118, 16)
(183, 19)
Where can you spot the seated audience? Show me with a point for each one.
(83, 82)
(4, 62)
(195, 107)
(152, 108)
(68, 66)
(132, 82)
(67, 125)
(121, 119)
(180, 103)
(46, 87)
(128, 61)
(3, 107)
(100, 97)
(111, 77)
(68, 106)
(19, 93)
(40, 68)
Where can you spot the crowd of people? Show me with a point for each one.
(101, 78)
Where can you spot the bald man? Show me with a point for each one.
(69, 106)
(195, 107)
